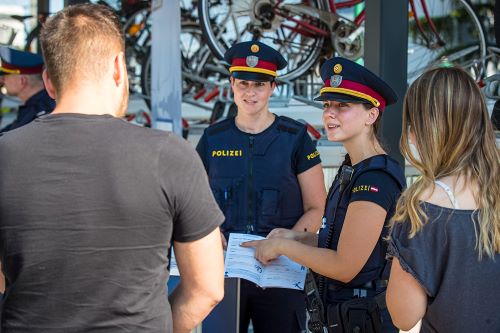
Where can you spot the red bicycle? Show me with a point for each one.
(440, 31)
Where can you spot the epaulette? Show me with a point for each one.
(219, 127)
(289, 125)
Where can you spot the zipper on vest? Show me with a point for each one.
(251, 203)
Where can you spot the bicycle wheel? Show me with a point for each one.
(284, 25)
(32, 41)
(460, 42)
(197, 62)
(137, 31)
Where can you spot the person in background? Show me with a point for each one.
(21, 77)
(86, 236)
(446, 233)
(348, 255)
(265, 173)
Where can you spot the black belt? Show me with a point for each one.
(370, 285)
(374, 289)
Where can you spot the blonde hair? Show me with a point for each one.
(77, 42)
(445, 109)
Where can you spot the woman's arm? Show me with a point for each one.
(361, 231)
(313, 192)
(406, 299)
(304, 237)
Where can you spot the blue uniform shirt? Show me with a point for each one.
(36, 106)
(254, 176)
(378, 179)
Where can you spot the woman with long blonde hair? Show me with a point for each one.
(445, 238)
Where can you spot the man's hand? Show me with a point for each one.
(201, 266)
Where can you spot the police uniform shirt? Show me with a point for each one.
(305, 158)
(36, 106)
(376, 186)
(256, 184)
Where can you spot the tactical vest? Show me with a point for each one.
(335, 212)
(253, 176)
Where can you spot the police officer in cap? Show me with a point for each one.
(21, 77)
(348, 255)
(265, 173)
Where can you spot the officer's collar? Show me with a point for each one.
(36, 97)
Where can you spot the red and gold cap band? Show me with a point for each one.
(263, 67)
(8, 68)
(357, 90)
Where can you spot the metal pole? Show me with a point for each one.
(73, 2)
(43, 6)
(166, 82)
(386, 54)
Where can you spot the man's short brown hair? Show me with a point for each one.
(77, 42)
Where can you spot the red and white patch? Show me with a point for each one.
(373, 189)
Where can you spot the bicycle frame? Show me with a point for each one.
(329, 16)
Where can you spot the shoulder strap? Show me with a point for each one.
(449, 192)
(219, 127)
(289, 125)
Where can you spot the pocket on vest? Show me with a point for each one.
(228, 194)
(269, 201)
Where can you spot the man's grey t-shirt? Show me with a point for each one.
(89, 207)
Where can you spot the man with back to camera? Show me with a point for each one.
(21, 76)
(85, 241)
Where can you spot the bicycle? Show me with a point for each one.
(198, 65)
(305, 31)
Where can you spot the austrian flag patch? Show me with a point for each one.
(365, 188)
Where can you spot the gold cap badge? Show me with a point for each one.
(254, 48)
(337, 68)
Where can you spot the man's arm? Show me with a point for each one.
(313, 191)
(201, 267)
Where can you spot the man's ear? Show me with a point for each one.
(24, 80)
(48, 85)
(373, 115)
(119, 69)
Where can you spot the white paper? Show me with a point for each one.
(174, 270)
(240, 262)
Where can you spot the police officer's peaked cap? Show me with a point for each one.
(347, 81)
(19, 62)
(254, 61)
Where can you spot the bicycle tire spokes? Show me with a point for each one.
(296, 36)
(445, 33)
(137, 31)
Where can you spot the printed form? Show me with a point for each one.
(240, 262)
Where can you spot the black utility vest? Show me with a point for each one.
(336, 209)
(253, 176)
